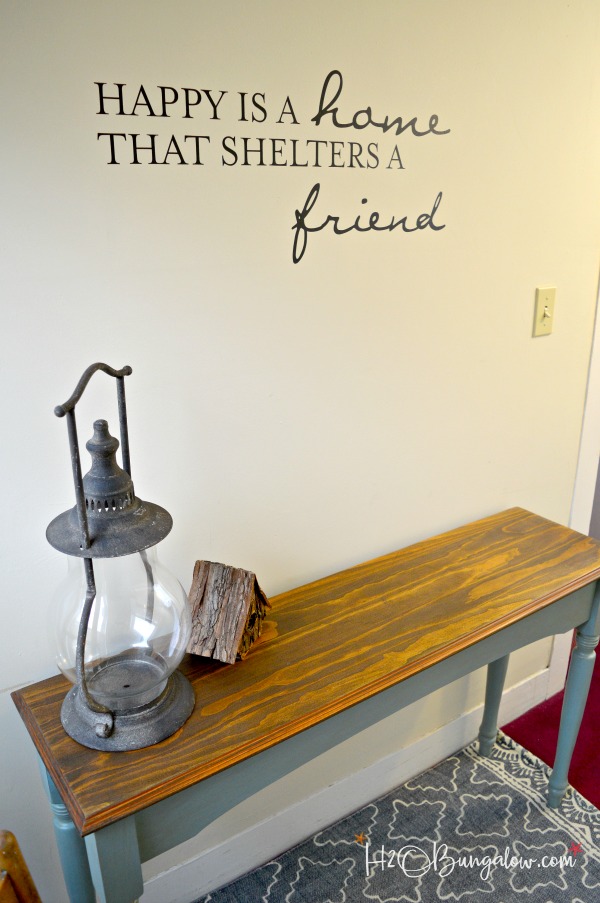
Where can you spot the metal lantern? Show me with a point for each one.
(122, 619)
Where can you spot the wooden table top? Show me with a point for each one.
(327, 646)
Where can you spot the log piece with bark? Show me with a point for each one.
(228, 607)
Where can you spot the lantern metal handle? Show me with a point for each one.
(61, 409)
(103, 717)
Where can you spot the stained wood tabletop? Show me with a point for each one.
(326, 646)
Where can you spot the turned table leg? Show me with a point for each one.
(488, 731)
(106, 863)
(576, 691)
(71, 847)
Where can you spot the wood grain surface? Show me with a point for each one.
(325, 647)
(17, 886)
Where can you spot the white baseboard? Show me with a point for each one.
(265, 840)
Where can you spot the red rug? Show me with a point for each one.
(537, 731)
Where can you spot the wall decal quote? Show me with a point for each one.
(163, 102)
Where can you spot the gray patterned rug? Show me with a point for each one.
(470, 829)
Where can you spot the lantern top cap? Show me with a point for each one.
(106, 486)
(108, 520)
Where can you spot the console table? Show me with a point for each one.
(337, 656)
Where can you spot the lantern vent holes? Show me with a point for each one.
(107, 506)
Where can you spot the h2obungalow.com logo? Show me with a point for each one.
(414, 861)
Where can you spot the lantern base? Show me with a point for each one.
(135, 729)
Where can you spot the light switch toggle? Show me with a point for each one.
(544, 311)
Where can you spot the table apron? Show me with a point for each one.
(180, 817)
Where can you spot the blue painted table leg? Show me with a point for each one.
(488, 731)
(114, 858)
(71, 847)
(576, 691)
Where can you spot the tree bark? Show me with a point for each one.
(228, 607)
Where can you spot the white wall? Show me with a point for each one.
(294, 418)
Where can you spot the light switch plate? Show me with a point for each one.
(544, 311)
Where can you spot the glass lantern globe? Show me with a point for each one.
(137, 632)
